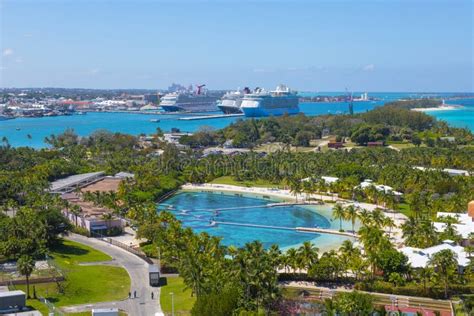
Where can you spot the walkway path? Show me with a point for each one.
(138, 271)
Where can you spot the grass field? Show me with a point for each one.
(404, 208)
(183, 301)
(84, 284)
(258, 183)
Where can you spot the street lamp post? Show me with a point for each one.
(172, 303)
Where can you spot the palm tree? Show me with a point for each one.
(347, 253)
(308, 188)
(378, 218)
(409, 230)
(444, 261)
(365, 217)
(426, 274)
(26, 265)
(351, 214)
(76, 210)
(308, 255)
(296, 188)
(338, 212)
(292, 259)
(388, 222)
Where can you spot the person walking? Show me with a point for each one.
(135, 294)
(129, 295)
(152, 295)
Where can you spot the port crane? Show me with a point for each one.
(349, 99)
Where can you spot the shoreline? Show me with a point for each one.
(439, 108)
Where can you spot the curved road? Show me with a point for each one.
(138, 271)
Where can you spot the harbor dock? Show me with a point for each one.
(208, 117)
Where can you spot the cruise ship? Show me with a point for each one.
(266, 103)
(231, 101)
(188, 101)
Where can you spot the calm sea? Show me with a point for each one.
(32, 131)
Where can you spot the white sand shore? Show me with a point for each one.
(438, 108)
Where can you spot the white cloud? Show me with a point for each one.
(19, 60)
(7, 52)
(369, 67)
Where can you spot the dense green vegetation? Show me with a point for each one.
(392, 122)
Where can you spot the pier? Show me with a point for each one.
(326, 231)
(208, 117)
(254, 225)
(269, 205)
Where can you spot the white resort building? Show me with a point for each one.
(420, 258)
(464, 225)
(379, 187)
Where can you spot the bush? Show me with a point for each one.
(218, 304)
(412, 289)
(81, 231)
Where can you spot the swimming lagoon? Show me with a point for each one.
(234, 217)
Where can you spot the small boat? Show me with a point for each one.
(155, 120)
(18, 129)
(81, 113)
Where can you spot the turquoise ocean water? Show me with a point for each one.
(32, 131)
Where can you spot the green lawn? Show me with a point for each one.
(404, 208)
(401, 145)
(183, 302)
(84, 284)
(258, 183)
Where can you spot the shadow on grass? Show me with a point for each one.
(66, 251)
(163, 281)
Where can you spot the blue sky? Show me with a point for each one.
(309, 45)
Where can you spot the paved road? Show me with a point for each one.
(138, 271)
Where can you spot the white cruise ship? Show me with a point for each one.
(264, 103)
(231, 101)
(188, 101)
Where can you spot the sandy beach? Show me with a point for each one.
(438, 108)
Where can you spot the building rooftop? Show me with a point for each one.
(330, 179)
(11, 293)
(419, 258)
(70, 183)
(124, 175)
(103, 185)
(464, 227)
(450, 171)
(379, 187)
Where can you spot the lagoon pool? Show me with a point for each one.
(232, 216)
